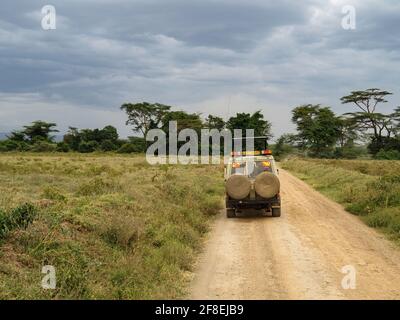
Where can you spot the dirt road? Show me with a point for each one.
(297, 256)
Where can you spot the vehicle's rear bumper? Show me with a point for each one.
(256, 203)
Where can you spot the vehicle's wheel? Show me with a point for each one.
(276, 212)
(230, 213)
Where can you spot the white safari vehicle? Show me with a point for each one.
(251, 181)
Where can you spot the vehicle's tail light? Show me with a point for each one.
(266, 152)
(235, 165)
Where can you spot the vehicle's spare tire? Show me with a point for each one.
(267, 185)
(238, 186)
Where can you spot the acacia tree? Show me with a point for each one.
(39, 131)
(184, 121)
(214, 122)
(250, 121)
(318, 129)
(253, 121)
(368, 120)
(145, 116)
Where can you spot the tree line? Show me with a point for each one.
(320, 132)
(144, 116)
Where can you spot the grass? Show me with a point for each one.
(114, 227)
(367, 188)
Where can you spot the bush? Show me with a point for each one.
(388, 155)
(62, 147)
(43, 146)
(19, 217)
(23, 146)
(386, 218)
(9, 145)
(135, 145)
(347, 153)
(322, 154)
(139, 144)
(88, 147)
(126, 148)
(108, 145)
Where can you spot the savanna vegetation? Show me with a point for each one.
(114, 227)
(142, 117)
(365, 131)
(367, 188)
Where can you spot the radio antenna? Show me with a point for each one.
(229, 108)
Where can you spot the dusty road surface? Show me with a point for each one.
(297, 256)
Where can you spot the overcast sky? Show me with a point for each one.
(208, 56)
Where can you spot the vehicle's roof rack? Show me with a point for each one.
(265, 138)
(266, 152)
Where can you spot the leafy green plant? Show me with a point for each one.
(388, 155)
(19, 217)
(43, 146)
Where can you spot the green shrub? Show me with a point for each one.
(4, 224)
(388, 218)
(347, 153)
(10, 145)
(43, 146)
(20, 217)
(108, 145)
(127, 148)
(378, 220)
(139, 144)
(135, 145)
(23, 215)
(62, 147)
(388, 155)
(88, 147)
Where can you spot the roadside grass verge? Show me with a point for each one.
(113, 227)
(369, 189)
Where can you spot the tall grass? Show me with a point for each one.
(113, 227)
(370, 189)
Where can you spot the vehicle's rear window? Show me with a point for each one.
(238, 168)
(251, 168)
(260, 167)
